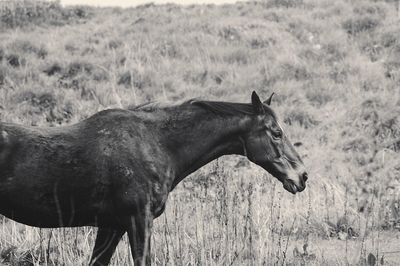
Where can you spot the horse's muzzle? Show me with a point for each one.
(292, 187)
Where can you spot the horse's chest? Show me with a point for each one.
(142, 186)
(159, 198)
(138, 196)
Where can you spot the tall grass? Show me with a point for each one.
(20, 13)
(334, 68)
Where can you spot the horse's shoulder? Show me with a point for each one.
(4, 136)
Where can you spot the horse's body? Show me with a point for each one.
(115, 169)
(85, 174)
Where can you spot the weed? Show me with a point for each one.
(15, 60)
(333, 66)
(52, 69)
(360, 24)
(135, 79)
(26, 47)
(3, 75)
(2, 54)
(320, 97)
(284, 3)
(303, 118)
(22, 13)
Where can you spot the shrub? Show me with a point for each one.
(294, 71)
(300, 117)
(43, 101)
(71, 48)
(2, 54)
(370, 10)
(285, 3)
(237, 55)
(27, 47)
(357, 25)
(260, 42)
(340, 73)
(196, 77)
(389, 127)
(76, 68)
(358, 144)
(168, 49)
(15, 60)
(61, 114)
(22, 13)
(389, 39)
(392, 64)
(53, 69)
(114, 44)
(136, 79)
(319, 97)
(13, 256)
(334, 52)
(76, 75)
(272, 16)
(229, 34)
(3, 74)
(202, 76)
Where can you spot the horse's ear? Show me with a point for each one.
(268, 101)
(257, 104)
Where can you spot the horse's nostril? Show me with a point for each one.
(305, 176)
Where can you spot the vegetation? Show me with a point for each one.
(22, 13)
(334, 66)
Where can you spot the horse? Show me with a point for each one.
(115, 169)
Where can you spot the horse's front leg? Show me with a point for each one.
(104, 247)
(139, 233)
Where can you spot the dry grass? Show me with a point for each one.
(335, 68)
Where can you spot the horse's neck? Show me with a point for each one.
(202, 138)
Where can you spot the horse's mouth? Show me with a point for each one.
(290, 186)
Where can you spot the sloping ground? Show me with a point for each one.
(333, 64)
(28, 14)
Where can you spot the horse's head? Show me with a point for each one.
(267, 146)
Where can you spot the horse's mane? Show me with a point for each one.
(225, 108)
(153, 106)
(217, 107)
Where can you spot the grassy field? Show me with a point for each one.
(335, 67)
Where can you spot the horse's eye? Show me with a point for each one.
(277, 134)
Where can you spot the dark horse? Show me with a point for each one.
(115, 169)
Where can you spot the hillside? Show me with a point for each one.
(335, 69)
